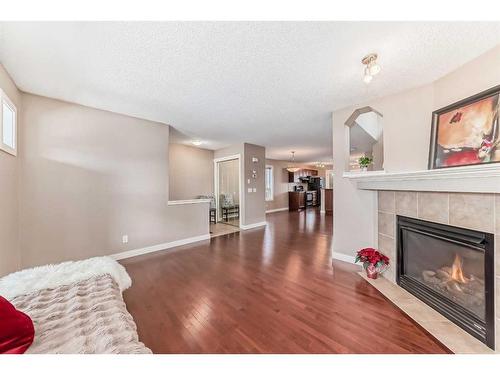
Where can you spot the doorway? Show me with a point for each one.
(227, 180)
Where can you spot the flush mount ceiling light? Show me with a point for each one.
(371, 67)
(197, 142)
(291, 168)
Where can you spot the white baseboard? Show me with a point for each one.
(255, 225)
(343, 257)
(277, 210)
(159, 247)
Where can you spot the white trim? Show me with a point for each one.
(251, 226)
(329, 179)
(362, 175)
(268, 166)
(227, 158)
(277, 210)
(216, 184)
(159, 247)
(483, 178)
(10, 104)
(188, 201)
(343, 257)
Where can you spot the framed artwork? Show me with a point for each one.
(466, 132)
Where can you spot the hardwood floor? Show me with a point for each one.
(221, 229)
(266, 290)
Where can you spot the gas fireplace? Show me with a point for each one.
(452, 270)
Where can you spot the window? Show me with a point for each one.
(269, 183)
(8, 124)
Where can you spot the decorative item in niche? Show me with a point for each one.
(255, 160)
(364, 162)
(254, 174)
(466, 132)
(366, 138)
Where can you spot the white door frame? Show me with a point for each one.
(216, 185)
(329, 177)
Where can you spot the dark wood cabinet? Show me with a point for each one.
(295, 176)
(329, 201)
(296, 200)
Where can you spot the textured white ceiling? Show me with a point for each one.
(269, 83)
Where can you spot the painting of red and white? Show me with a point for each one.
(468, 134)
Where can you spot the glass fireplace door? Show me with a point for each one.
(452, 270)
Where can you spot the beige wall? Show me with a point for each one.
(407, 123)
(255, 202)
(253, 206)
(83, 178)
(10, 258)
(281, 185)
(191, 172)
(90, 176)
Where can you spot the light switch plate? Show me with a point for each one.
(249, 190)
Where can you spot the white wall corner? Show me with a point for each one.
(343, 257)
(254, 225)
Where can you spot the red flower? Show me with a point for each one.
(371, 256)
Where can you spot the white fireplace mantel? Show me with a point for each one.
(472, 179)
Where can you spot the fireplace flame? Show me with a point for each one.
(456, 270)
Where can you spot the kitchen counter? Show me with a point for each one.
(327, 201)
(296, 200)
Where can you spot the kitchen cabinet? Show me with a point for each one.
(295, 176)
(296, 200)
(329, 201)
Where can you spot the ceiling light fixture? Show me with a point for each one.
(371, 68)
(197, 142)
(291, 168)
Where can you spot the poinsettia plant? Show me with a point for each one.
(373, 260)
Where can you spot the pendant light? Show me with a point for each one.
(291, 168)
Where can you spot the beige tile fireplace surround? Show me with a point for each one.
(479, 211)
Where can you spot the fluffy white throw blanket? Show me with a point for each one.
(54, 275)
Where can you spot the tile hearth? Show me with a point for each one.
(452, 336)
(478, 211)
